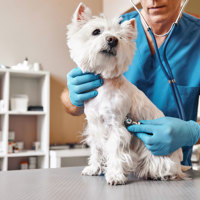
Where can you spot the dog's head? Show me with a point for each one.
(99, 45)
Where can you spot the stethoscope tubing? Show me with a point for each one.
(173, 83)
(168, 73)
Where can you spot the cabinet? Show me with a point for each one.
(58, 156)
(29, 126)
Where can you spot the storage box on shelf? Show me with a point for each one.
(28, 126)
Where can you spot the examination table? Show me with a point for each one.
(67, 183)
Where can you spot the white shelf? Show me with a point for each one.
(2, 155)
(29, 126)
(27, 73)
(27, 113)
(26, 153)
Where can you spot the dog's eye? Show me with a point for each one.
(96, 32)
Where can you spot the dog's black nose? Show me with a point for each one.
(112, 41)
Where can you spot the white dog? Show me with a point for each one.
(106, 47)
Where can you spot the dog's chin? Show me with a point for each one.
(109, 52)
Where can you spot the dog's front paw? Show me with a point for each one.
(116, 178)
(91, 171)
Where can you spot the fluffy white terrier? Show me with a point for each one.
(106, 47)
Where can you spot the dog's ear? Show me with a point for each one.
(82, 13)
(133, 23)
(129, 23)
(130, 26)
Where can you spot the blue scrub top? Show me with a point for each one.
(183, 54)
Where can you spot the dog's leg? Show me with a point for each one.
(118, 156)
(94, 167)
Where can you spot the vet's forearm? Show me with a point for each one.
(69, 107)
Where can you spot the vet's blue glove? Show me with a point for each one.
(81, 86)
(165, 135)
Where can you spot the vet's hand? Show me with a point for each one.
(81, 86)
(165, 135)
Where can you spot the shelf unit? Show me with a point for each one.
(29, 126)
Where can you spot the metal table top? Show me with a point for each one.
(67, 183)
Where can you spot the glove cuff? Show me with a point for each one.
(194, 131)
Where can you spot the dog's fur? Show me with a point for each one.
(114, 151)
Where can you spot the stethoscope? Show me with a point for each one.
(168, 73)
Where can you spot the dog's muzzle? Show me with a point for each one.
(112, 43)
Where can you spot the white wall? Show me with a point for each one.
(36, 29)
(112, 8)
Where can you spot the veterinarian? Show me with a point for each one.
(164, 135)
